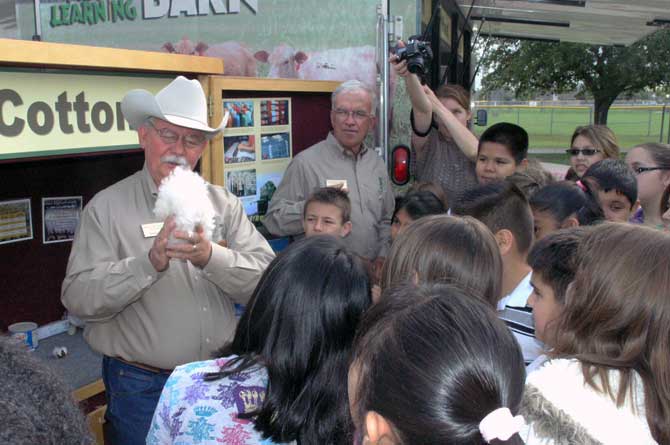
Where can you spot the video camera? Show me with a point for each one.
(418, 55)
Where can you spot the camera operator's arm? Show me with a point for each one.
(421, 107)
(461, 134)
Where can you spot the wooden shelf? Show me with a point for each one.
(59, 55)
(231, 83)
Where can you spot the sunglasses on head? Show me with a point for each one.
(584, 151)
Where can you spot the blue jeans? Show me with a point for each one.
(132, 396)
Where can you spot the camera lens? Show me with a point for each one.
(416, 65)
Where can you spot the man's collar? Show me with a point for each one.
(149, 183)
(345, 151)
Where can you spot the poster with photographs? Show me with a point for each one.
(16, 221)
(241, 113)
(274, 112)
(239, 149)
(255, 156)
(275, 146)
(60, 218)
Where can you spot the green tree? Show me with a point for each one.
(602, 72)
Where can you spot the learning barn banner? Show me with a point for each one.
(301, 39)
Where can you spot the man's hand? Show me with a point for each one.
(158, 252)
(197, 249)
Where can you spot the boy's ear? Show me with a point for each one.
(570, 221)
(378, 429)
(346, 229)
(522, 165)
(505, 240)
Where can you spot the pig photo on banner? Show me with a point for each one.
(299, 39)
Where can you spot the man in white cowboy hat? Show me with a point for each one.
(145, 313)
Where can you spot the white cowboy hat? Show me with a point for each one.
(181, 103)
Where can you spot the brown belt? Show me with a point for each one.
(145, 367)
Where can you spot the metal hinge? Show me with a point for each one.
(210, 106)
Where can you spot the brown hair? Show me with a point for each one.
(456, 92)
(601, 137)
(660, 153)
(431, 187)
(553, 258)
(499, 205)
(442, 248)
(332, 196)
(617, 316)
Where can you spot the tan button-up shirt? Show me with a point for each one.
(165, 319)
(370, 193)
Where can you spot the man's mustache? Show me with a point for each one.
(174, 159)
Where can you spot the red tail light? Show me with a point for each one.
(400, 165)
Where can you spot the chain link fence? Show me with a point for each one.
(550, 127)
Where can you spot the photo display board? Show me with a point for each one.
(257, 147)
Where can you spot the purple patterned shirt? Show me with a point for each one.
(194, 411)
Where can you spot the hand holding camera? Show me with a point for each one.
(416, 53)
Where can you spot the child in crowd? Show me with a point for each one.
(615, 187)
(553, 263)
(651, 165)
(503, 208)
(327, 211)
(413, 206)
(556, 206)
(281, 378)
(445, 248)
(588, 145)
(608, 380)
(532, 179)
(435, 189)
(503, 149)
(432, 365)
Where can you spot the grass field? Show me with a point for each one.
(550, 128)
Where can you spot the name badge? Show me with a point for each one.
(336, 183)
(151, 229)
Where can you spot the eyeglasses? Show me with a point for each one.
(192, 141)
(358, 115)
(584, 151)
(640, 170)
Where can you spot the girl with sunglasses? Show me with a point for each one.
(590, 144)
(651, 166)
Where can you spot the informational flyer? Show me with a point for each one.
(16, 221)
(257, 148)
(60, 218)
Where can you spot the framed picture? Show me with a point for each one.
(241, 113)
(16, 221)
(274, 112)
(275, 146)
(239, 149)
(241, 183)
(60, 218)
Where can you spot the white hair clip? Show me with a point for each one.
(500, 424)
